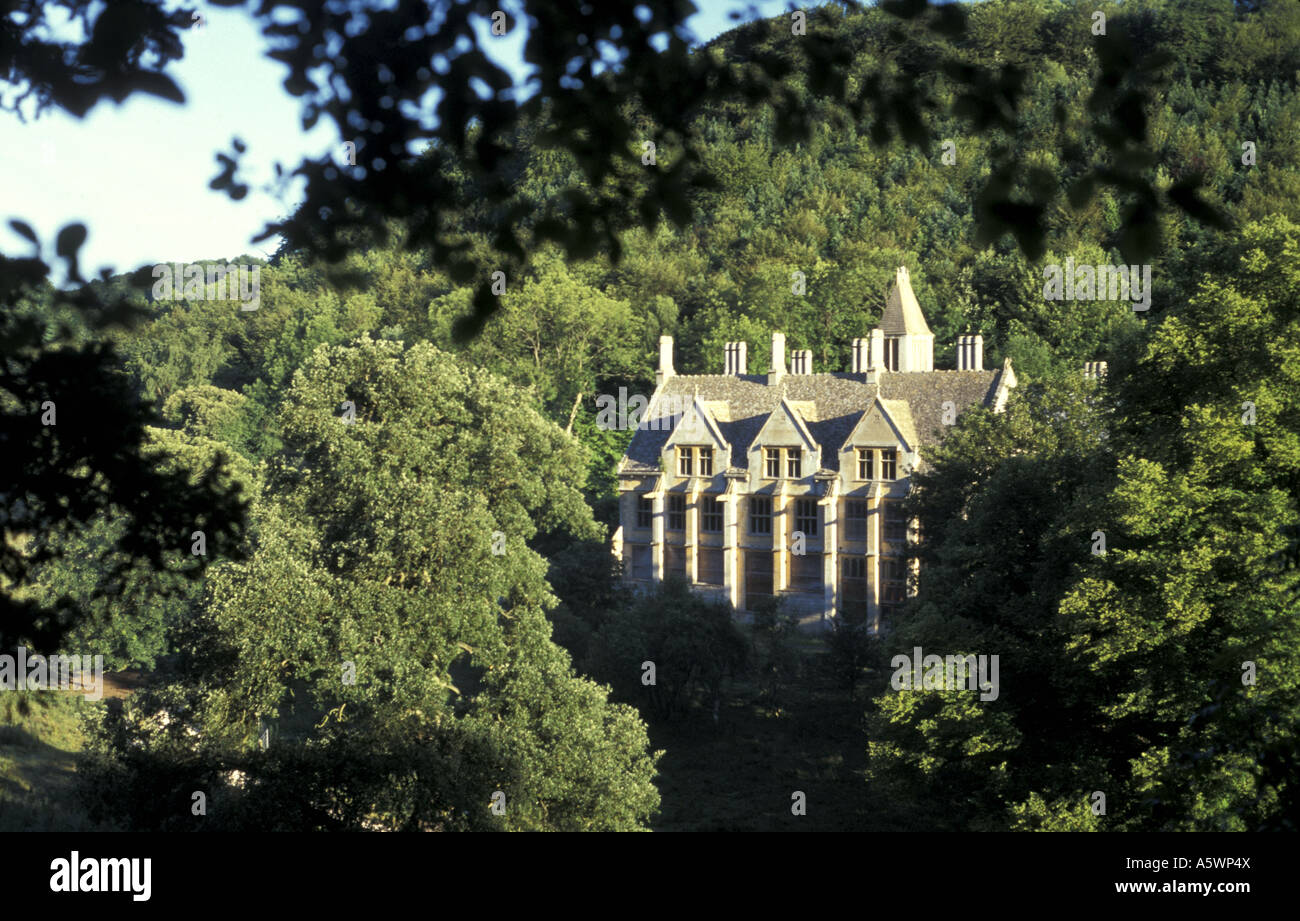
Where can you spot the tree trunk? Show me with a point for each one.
(573, 413)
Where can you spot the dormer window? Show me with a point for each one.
(887, 467)
(693, 461)
(793, 463)
(775, 460)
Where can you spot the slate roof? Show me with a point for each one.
(840, 399)
(903, 314)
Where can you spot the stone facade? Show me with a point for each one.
(788, 483)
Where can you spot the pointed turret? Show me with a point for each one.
(909, 344)
(903, 315)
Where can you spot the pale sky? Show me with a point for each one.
(137, 174)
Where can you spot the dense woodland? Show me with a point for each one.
(370, 544)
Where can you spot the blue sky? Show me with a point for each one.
(137, 174)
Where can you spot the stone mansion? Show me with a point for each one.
(789, 483)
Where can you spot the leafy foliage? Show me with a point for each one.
(376, 559)
(692, 644)
(1160, 672)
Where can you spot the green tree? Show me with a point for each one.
(393, 548)
(1158, 668)
(670, 647)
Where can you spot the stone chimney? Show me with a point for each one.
(737, 357)
(861, 356)
(665, 360)
(1094, 370)
(877, 350)
(970, 353)
(801, 361)
(777, 370)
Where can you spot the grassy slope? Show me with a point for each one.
(40, 735)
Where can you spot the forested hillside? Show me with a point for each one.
(377, 550)
(839, 209)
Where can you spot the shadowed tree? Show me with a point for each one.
(392, 610)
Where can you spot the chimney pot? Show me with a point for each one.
(737, 357)
(861, 355)
(970, 353)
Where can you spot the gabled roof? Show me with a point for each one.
(697, 423)
(790, 411)
(902, 314)
(884, 422)
(840, 400)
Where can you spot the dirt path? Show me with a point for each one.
(117, 685)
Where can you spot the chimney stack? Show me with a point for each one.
(861, 356)
(737, 357)
(877, 350)
(665, 359)
(778, 359)
(801, 361)
(970, 353)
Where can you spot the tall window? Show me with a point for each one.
(853, 589)
(758, 576)
(684, 461)
(891, 354)
(895, 523)
(888, 464)
(676, 512)
(893, 583)
(709, 566)
(706, 462)
(760, 515)
(793, 463)
(640, 562)
(645, 511)
(806, 573)
(865, 456)
(805, 516)
(855, 519)
(772, 457)
(710, 515)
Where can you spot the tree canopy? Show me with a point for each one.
(392, 594)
